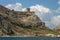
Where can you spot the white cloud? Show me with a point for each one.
(16, 7)
(59, 2)
(56, 20)
(40, 10)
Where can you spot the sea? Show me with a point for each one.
(29, 38)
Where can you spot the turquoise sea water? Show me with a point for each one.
(28, 38)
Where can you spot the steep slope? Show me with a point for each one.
(19, 23)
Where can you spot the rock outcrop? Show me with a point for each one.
(12, 23)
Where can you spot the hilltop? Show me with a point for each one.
(21, 23)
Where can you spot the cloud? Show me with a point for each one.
(56, 20)
(40, 10)
(16, 7)
(59, 2)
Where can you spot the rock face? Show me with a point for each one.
(13, 22)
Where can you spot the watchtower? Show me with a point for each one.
(28, 9)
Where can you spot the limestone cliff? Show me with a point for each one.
(13, 23)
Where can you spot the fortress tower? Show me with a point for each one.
(28, 9)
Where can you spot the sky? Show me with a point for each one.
(47, 10)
